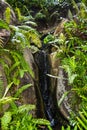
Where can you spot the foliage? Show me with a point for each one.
(69, 128)
(72, 51)
(15, 66)
(42, 9)
(78, 122)
(3, 25)
(7, 15)
(16, 118)
(48, 39)
(12, 55)
(25, 33)
(19, 117)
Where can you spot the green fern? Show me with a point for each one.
(22, 18)
(19, 60)
(26, 107)
(6, 100)
(25, 35)
(3, 25)
(82, 120)
(20, 90)
(20, 118)
(69, 128)
(7, 15)
(5, 120)
(7, 89)
(69, 64)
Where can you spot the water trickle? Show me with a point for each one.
(44, 69)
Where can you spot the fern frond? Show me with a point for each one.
(14, 28)
(30, 23)
(7, 89)
(23, 18)
(34, 38)
(6, 100)
(26, 107)
(4, 25)
(23, 64)
(7, 15)
(26, 35)
(82, 124)
(5, 120)
(41, 122)
(75, 6)
(22, 39)
(20, 90)
(18, 14)
(26, 28)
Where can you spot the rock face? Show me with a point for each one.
(63, 97)
(54, 62)
(29, 95)
(59, 83)
(3, 7)
(3, 81)
(60, 86)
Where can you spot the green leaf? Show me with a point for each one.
(26, 67)
(71, 78)
(22, 72)
(68, 128)
(62, 98)
(41, 121)
(4, 25)
(15, 65)
(63, 128)
(6, 100)
(20, 90)
(7, 15)
(83, 118)
(81, 123)
(75, 128)
(26, 107)
(5, 120)
(7, 89)
(48, 38)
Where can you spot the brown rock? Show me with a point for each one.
(60, 27)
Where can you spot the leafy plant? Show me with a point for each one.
(69, 128)
(12, 55)
(4, 25)
(79, 122)
(72, 51)
(7, 15)
(73, 54)
(21, 118)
